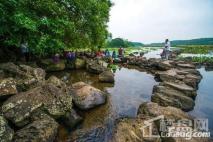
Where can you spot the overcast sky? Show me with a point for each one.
(155, 20)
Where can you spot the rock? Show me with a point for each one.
(192, 80)
(190, 66)
(166, 96)
(71, 119)
(151, 109)
(86, 97)
(19, 108)
(34, 77)
(106, 76)
(181, 86)
(7, 88)
(42, 130)
(131, 130)
(95, 134)
(164, 65)
(26, 77)
(50, 66)
(173, 75)
(11, 68)
(169, 75)
(80, 63)
(58, 83)
(38, 73)
(6, 133)
(96, 66)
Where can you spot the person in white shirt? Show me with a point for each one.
(167, 48)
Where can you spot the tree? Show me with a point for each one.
(51, 25)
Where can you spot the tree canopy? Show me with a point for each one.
(119, 42)
(51, 25)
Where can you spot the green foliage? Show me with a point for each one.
(119, 42)
(203, 59)
(51, 25)
(196, 49)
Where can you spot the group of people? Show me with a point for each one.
(107, 53)
(70, 56)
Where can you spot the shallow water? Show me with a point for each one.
(153, 54)
(204, 100)
(131, 88)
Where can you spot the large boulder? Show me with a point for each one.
(86, 97)
(19, 108)
(107, 76)
(96, 66)
(166, 96)
(80, 63)
(41, 130)
(133, 130)
(7, 88)
(6, 133)
(50, 66)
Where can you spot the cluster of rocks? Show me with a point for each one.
(32, 107)
(179, 82)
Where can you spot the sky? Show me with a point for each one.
(149, 21)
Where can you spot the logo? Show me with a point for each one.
(184, 128)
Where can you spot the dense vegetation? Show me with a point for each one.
(119, 42)
(200, 41)
(48, 26)
(197, 49)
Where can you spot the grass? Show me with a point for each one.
(197, 49)
(201, 59)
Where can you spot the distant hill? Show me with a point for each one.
(200, 41)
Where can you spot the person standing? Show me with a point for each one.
(25, 51)
(167, 49)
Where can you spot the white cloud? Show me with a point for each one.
(155, 20)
